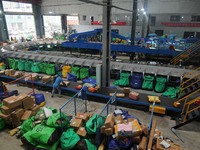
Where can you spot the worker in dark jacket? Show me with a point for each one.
(56, 85)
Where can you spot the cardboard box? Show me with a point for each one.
(89, 114)
(46, 79)
(110, 121)
(12, 102)
(126, 91)
(173, 146)
(118, 119)
(118, 94)
(9, 72)
(5, 117)
(82, 116)
(136, 140)
(143, 143)
(17, 114)
(26, 115)
(2, 72)
(82, 132)
(5, 110)
(158, 134)
(144, 129)
(76, 123)
(130, 119)
(137, 130)
(16, 122)
(34, 77)
(27, 101)
(18, 74)
(134, 95)
(158, 109)
(35, 108)
(109, 131)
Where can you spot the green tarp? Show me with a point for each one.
(48, 147)
(148, 82)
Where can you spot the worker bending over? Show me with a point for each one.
(56, 85)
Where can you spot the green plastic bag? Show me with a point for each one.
(84, 73)
(21, 65)
(2, 67)
(148, 82)
(93, 123)
(27, 125)
(52, 120)
(160, 84)
(28, 138)
(28, 65)
(171, 92)
(35, 67)
(90, 146)
(48, 147)
(69, 139)
(50, 69)
(76, 71)
(2, 124)
(123, 81)
(45, 135)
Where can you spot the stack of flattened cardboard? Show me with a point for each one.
(16, 109)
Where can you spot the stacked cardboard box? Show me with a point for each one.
(16, 109)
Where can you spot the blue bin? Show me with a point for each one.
(39, 98)
(136, 81)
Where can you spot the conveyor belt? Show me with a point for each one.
(103, 93)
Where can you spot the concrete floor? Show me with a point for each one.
(189, 134)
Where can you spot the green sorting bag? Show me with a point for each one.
(84, 73)
(27, 138)
(52, 120)
(147, 82)
(14, 64)
(27, 125)
(35, 67)
(2, 124)
(93, 123)
(69, 139)
(50, 69)
(10, 62)
(21, 65)
(171, 92)
(123, 81)
(28, 65)
(45, 135)
(43, 67)
(75, 71)
(48, 147)
(160, 84)
(90, 146)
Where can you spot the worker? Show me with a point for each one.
(56, 85)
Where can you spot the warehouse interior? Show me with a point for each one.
(106, 75)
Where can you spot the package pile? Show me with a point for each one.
(84, 132)
(126, 132)
(16, 109)
(43, 131)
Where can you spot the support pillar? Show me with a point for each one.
(39, 23)
(64, 23)
(3, 27)
(106, 43)
(145, 19)
(134, 19)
